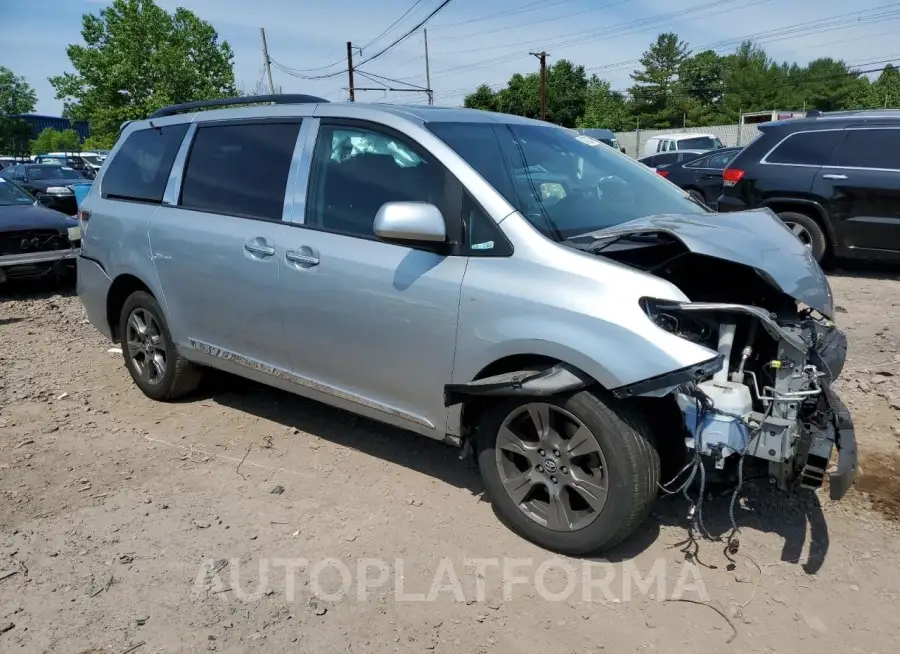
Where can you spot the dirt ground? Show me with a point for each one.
(131, 526)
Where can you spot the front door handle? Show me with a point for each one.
(305, 257)
(834, 176)
(259, 248)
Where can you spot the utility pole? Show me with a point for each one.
(428, 70)
(542, 56)
(350, 71)
(267, 63)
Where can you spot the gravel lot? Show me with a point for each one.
(131, 526)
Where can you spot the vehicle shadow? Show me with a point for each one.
(864, 269)
(796, 517)
(792, 516)
(41, 288)
(424, 455)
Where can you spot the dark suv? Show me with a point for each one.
(833, 178)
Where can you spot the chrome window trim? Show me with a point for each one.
(176, 175)
(830, 167)
(294, 210)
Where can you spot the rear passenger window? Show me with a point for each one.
(240, 170)
(869, 148)
(806, 148)
(140, 169)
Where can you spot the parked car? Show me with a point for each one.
(688, 141)
(701, 176)
(606, 136)
(74, 161)
(34, 240)
(664, 159)
(833, 178)
(424, 278)
(50, 184)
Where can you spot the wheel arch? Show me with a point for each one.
(466, 415)
(119, 291)
(808, 208)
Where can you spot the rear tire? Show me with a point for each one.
(630, 470)
(808, 231)
(150, 354)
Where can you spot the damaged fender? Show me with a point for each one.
(560, 378)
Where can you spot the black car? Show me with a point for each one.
(34, 240)
(833, 178)
(51, 184)
(664, 159)
(701, 176)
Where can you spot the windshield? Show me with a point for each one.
(10, 194)
(565, 184)
(700, 143)
(53, 172)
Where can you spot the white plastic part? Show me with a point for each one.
(726, 341)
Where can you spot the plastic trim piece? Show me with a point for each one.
(559, 378)
(671, 379)
(840, 480)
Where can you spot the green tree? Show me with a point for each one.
(481, 98)
(16, 97)
(45, 142)
(655, 89)
(98, 142)
(138, 58)
(885, 91)
(51, 140)
(604, 108)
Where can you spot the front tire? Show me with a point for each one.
(574, 474)
(150, 354)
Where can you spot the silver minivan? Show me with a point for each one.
(544, 303)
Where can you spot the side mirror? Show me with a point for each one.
(410, 221)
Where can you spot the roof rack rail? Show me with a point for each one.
(284, 98)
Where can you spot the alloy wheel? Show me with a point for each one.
(801, 233)
(552, 466)
(147, 347)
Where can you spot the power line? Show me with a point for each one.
(531, 6)
(532, 23)
(375, 56)
(394, 24)
(835, 23)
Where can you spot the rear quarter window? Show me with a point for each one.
(140, 170)
(805, 148)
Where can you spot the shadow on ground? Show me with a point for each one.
(797, 518)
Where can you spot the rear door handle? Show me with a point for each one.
(305, 257)
(259, 248)
(834, 176)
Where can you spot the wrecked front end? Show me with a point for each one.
(767, 398)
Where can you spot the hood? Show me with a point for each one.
(44, 184)
(27, 216)
(756, 238)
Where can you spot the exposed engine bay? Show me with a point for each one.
(768, 397)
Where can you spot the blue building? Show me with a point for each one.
(39, 123)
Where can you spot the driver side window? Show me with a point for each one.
(357, 169)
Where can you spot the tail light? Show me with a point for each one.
(83, 215)
(731, 176)
(662, 173)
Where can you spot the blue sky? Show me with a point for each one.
(470, 41)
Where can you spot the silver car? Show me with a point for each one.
(549, 306)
